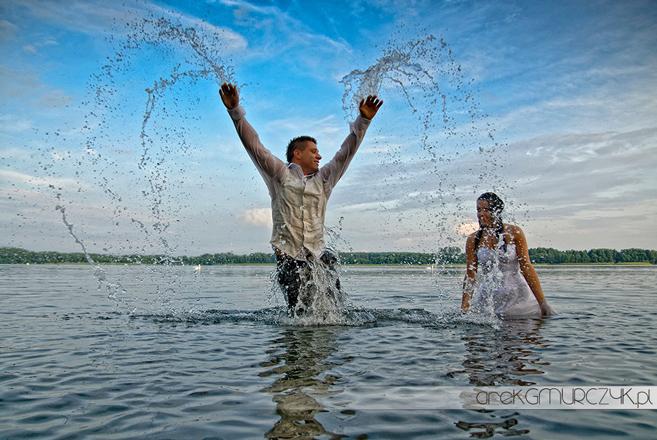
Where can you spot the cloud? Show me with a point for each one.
(467, 228)
(7, 29)
(574, 179)
(290, 41)
(588, 164)
(13, 154)
(25, 86)
(296, 31)
(257, 217)
(98, 17)
(34, 47)
(14, 124)
(55, 98)
(327, 130)
(604, 108)
(16, 177)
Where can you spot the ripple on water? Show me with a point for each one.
(241, 373)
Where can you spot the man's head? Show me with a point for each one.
(303, 151)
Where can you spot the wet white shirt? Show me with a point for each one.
(298, 202)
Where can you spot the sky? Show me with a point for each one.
(566, 90)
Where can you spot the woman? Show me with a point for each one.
(500, 276)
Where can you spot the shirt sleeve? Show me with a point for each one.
(269, 166)
(333, 171)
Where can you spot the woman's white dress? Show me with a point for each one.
(500, 287)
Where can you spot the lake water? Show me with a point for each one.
(214, 357)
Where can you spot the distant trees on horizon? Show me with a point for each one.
(447, 255)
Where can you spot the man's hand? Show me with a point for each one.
(368, 107)
(230, 96)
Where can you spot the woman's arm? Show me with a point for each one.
(528, 271)
(470, 272)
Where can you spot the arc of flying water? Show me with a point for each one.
(155, 32)
(426, 73)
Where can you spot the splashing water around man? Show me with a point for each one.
(299, 192)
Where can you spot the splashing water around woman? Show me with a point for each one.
(450, 126)
(499, 273)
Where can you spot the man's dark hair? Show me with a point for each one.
(296, 143)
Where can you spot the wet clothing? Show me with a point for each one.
(500, 284)
(298, 202)
(296, 280)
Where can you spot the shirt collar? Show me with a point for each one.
(297, 168)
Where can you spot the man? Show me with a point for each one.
(299, 191)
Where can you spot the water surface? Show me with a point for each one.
(216, 358)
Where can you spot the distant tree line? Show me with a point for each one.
(554, 256)
(448, 255)
(22, 256)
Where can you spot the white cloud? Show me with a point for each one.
(13, 153)
(7, 29)
(257, 217)
(55, 98)
(98, 17)
(14, 124)
(291, 42)
(569, 180)
(326, 130)
(299, 33)
(22, 178)
(467, 228)
(34, 47)
(25, 86)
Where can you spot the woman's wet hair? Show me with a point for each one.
(496, 206)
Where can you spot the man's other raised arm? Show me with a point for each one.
(335, 169)
(269, 166)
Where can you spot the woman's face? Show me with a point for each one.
(484, 214)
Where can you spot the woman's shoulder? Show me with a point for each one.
(472, 237)
(513, 230)
(471, 240)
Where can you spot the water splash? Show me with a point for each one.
(454, 152)
(138, 170)
(431, 83)
(99, 273)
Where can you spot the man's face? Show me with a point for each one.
(307, 157)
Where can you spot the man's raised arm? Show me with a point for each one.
(333, 171)
(269, 166)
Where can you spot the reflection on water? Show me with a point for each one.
(508, 355)
(299, 360)
(504, 356)
(73, 366)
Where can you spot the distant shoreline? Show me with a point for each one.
(396, 265)
(442, 257)
(352, 265)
